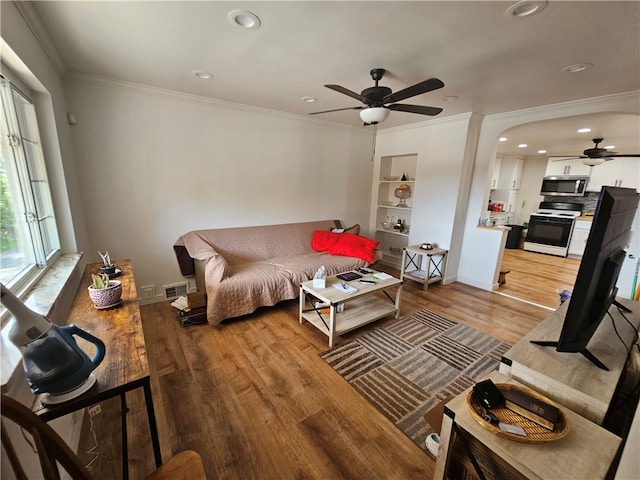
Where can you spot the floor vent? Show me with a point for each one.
(174, 291)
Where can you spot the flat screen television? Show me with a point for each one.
(595, 288)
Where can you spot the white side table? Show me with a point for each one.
(434, 268)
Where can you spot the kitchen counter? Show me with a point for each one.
(495, 227)
(587, 218)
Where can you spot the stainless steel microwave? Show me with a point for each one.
(564, 185)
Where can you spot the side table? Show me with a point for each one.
(587, 451)
(125, 366)
(434, 268)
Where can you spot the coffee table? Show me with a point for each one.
(360, 307)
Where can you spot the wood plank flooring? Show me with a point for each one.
(256, 401)
(537, 277)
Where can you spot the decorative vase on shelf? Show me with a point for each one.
(402, 192)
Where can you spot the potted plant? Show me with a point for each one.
(105, 293)
(107, 267)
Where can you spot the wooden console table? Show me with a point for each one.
(569, 378)
(587, 451)
(125, 366)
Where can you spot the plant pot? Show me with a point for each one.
(106, 297)
(109, 270)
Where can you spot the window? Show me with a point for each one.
(28, 233)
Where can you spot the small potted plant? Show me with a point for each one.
(105, 293)
(107, 267)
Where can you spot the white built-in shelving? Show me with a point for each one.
(393, 171)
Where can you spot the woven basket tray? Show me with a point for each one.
(535, 433)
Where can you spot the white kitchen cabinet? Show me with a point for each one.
(516, 176)
(579, 237)
(621, 172)
(511, 173)
(496, 173)
(566, 167)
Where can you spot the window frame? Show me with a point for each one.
(28, 175)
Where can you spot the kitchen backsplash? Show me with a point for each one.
(589, 201)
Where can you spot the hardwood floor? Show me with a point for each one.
(255, 400)
(538, 278)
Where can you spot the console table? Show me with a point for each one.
(125, 366)
(569, 378)
(587, 451)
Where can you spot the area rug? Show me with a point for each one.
(406, 368)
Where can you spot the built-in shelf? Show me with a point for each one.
(384, 204)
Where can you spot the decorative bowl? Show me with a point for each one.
(391, 179)
(386, 225)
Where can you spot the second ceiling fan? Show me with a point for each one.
(378, 100)
(596, 155)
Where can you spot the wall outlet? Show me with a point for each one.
(148, 292)
(95, 410)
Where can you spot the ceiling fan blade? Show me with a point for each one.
(336, 110)
(629, 155)
(422, 110)
(417, 89)
(350, 93)
(566, 157)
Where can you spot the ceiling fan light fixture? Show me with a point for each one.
(374, 115)
(525, 8)
(593, 162)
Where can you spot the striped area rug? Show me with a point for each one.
(406, 368)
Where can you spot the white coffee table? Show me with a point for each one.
(360, 308)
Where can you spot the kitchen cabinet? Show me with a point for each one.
(496, 173)
(387, 209)
(621, 172)
(511, 173)
(566, 167)
(579, 237)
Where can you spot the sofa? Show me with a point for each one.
(244, 268)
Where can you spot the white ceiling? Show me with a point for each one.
(493, 63)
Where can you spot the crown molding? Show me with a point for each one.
(32, 19)
(92, 79)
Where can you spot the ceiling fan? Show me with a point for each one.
(596, 155)
(378, 101)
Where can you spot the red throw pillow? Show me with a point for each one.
(323, 240)
(350, 245)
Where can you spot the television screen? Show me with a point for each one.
(595, 288)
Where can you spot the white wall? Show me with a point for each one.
(155, 164)
(442, 174)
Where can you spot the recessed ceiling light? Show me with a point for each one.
(201, 74)
(542, 151)
(309, 99)
(584, 130)
(577, 67)
(244, 19)
(502, 139)
(450, 98)
(525, 8)
(523, 145)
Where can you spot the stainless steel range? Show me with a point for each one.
(550, 228)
